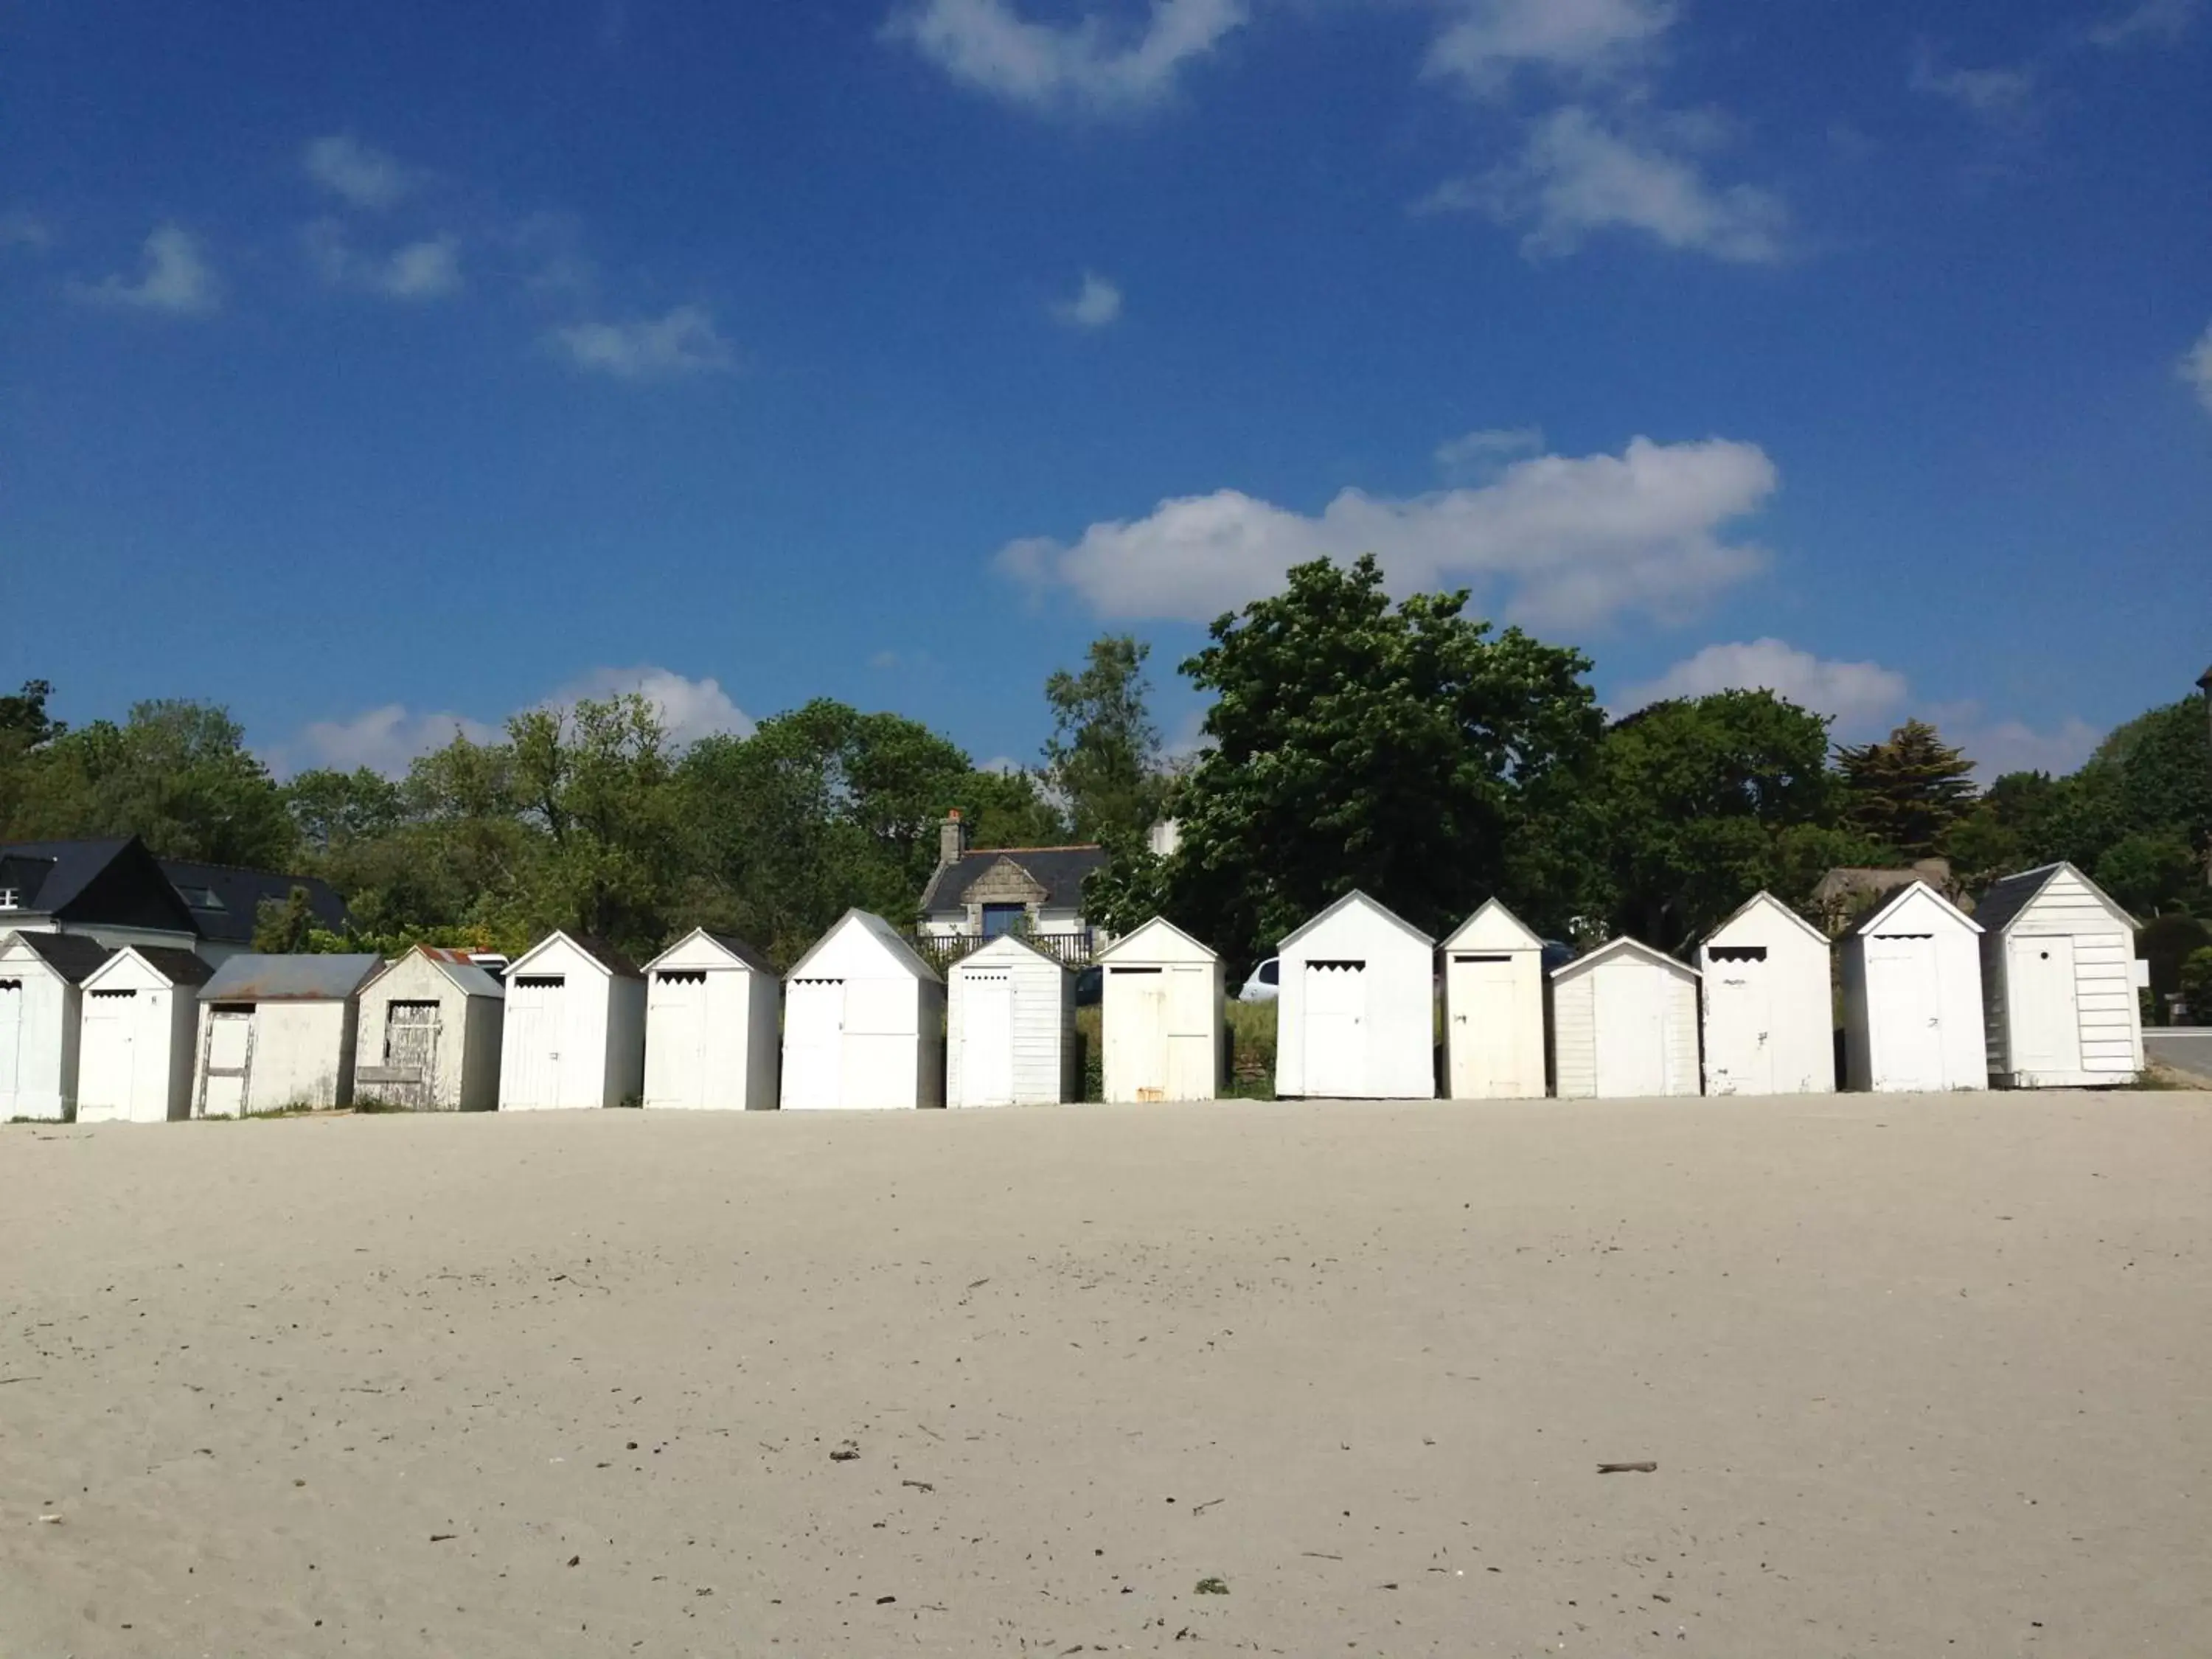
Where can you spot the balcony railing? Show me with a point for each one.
(941, 951)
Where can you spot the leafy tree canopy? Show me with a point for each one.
(1905, 792)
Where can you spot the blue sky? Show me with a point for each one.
(368, 370)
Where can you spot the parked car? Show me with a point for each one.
(1266, 983)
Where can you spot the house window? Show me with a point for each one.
(1000, 918)
(11, 898)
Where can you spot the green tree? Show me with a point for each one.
(1698, 803)
(334, 810)
(286, 925)
(1007, 809)
(176, 773)
(1104, 756)
(1398, 750)
(1905, 792)
(597, 781)
(823, 809)
(2150, 872)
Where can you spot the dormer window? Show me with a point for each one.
(11, 898)
(200, 898)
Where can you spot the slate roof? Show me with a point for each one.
(1058, 869)
(48, 874)
(178, 967)
(252, 978)
(224, 899)
(71, 955)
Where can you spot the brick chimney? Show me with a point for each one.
(951, 837)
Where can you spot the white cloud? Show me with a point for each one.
(2147, 20)
(1486, 447)
(24, 230)
(1585, 39)
(386, 739)
(177, 279)
(1568, 542)
(361, 176)
(690, 708)
(683, 342)
(1095, 304)
(1576, 176)
(428, 270)
(383, 739)
(1087, 65)
(2004, 97)
(2003, 746)
(2196, 367)
(1858, 695)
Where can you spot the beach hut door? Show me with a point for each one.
(1906, 1011)
(1336, 1029)
(410, 1054)
(813, 1043)
(1632, 1031)
(107, 1059)
(676, 1038)
(1739, 1019)
(986, 1040)
(223, 1089)
(1485, 1047)
(2046, 1024)
(530, 1055)
(11, 1044)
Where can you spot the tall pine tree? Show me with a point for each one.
(1908, 791)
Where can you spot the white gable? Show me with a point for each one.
(20, 956)
(1008, 949)
(129, 971)
(862, 946)
(701, 949)
(556, 953)
(1754, 923)
(1354, 916)
(1493, 927)
(1917, 908)
(2064, 901)
(1623, 946)
(1158, 940)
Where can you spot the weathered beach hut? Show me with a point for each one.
(1769, 1009)
(1493, 972)
(1625, 1024)
(39, 1019)
(1160, 1016)
(428, 1035)
(1010, 1028)
(1356, 1011)
(2059, 977)
(710, 1025)
(574, 1031)
(278, 1031)
(1912, 997)
(862, 1022)
(137, 1046)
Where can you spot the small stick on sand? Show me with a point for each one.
(1628, 1468)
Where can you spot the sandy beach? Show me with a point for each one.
(1919, 1376)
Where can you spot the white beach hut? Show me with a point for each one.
(429, 1034)
(39, 1017)
(1356, 1016)
(574, 1034)
(1769, 1009)
(1160, 1016)
(1625, 1024)
(710, 1016)
(1010, 1028)
(278, 1031)
(138, 1042)
(862, 1022)
(1493, 1008)
(2059, 977)
(1912, 997)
